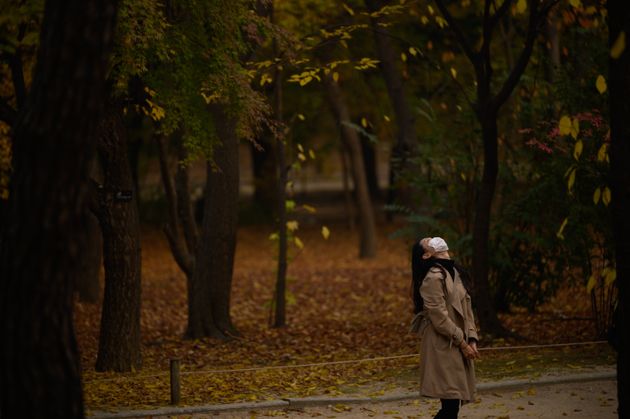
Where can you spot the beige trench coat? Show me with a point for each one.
(447, 320)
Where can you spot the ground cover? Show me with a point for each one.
(344, 309)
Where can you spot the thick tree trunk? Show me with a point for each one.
(367, 246)
(119, 343)
(619, 21)
(209, 297)
(42, 236)
(406, 138)
(481, 228)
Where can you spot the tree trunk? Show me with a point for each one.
(481, 228)
(119, 343)
(265, 181)
(619, 79)
(87, 285)
(42, 236)
(371, 167)
(406, 138)
(209, 297)
(281, 191)
(367, 247)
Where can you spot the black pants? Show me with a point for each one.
(449, 410)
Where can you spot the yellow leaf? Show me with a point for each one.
(430, 9)
(300, 148)
(325, 232)
(309, 208)
(292, 225)
(596, 195)
(560, 234)
(441, 21)
(364, 122)
(521, 6)
(600, 84)
(273, 236)
(413, 51)
(618, 46)
(606, 196)
(335, 76)
(301, 117)
(575, 128)
(311, 154)
(602, 153)
(565, 125)
(590, 284)
(571, 180)
(386, 118)
(424, 20)
(610, 277)
(348, 9)
(301, 157)
(453, 73)
(577, 150)
(298, 242)
(403, 57)
(576, 3)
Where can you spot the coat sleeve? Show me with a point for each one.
(471, 326)
(434, 298)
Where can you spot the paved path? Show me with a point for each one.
(593, 400)
(555, 396)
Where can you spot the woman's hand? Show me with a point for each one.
(469, 350)
(473, 345)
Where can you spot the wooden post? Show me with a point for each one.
(175, 393)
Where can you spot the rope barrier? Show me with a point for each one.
(350, 361)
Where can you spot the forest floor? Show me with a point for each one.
(342, 308)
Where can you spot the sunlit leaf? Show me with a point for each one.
(292, 225)
(521, 6)
(565, 125)
(348, 9)
(610, 277)
(602, 152)
(600, 84)
(571, 180)
(364, 122)
(576, 3)
(596, 195)
(325, 232)
(298, 242)
(606, 196)
(453, 73)
(560, 233)
(577, 149)
(591, 284)
(301, 117)
(618, 46)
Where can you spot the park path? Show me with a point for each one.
(593, 400)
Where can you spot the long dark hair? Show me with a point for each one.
(419, 269)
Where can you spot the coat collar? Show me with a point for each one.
(454, 289)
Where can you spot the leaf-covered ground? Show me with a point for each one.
(344, 309)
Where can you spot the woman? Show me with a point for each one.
(445, 322)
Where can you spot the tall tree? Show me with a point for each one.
(619, 30)
(406, 136)
(116, 208)
(42, 235)
(367, 232)
(486, 106)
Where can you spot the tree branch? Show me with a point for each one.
(459, 34)
(184, 259)
(536, 18)
(7, 112)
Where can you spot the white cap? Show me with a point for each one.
(438, 245)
